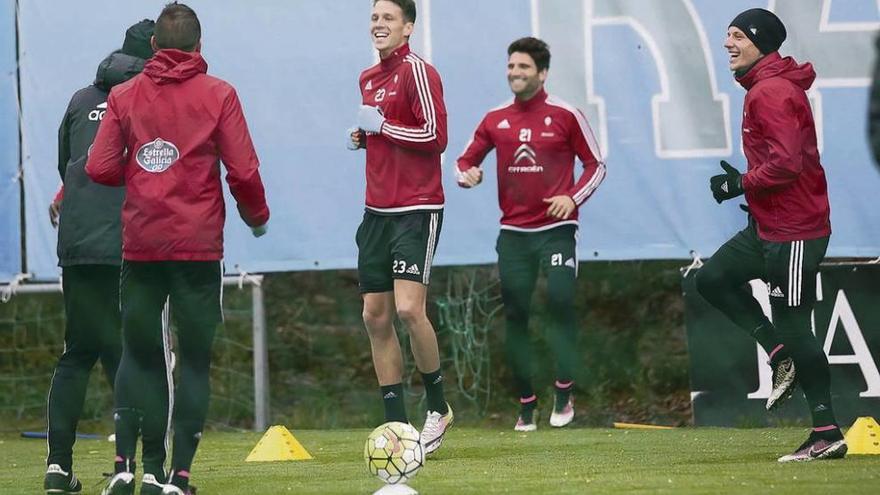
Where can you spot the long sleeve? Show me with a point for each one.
(106, 161)
(242, 166)
(780, 129)
(425, 93)
(582, 140)
(475, 151)
(64, 144)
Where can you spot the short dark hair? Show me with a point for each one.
(407, 6)
(178, 27)
(537, 49)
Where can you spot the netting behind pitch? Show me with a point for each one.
(32, 339)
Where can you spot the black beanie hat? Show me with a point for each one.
(137, 40)
(762, 27)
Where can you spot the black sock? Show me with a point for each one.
(187, 435)
(127, 423)
(778, 354)
(766, 336)
(563, 393)
(830, 432)
(822, 414)
(124, 465)
(180, 479)
(392, 398)
(527, 407)
(434, 391)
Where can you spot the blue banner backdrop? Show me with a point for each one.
(651, 77)
(10, 228)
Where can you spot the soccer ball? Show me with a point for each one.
(393, 452)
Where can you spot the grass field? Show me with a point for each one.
(481, 461)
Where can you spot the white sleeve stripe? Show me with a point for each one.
(428, 130)
(425, 90)
(590, 186)
(426, 133)
(588, 189)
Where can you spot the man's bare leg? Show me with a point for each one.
(378, 318)
(410, 300)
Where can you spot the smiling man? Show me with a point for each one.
(402, 125)
(789, 224)
(537, 137)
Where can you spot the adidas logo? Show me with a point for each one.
(97, 114)
(724, 186)
(437, 380)
(369, 85)
(389, 395)
(776, 292)
(504, 124)
(820, 407)
(413, 270)
(570, 263)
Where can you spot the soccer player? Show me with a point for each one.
(89, 253)
(163, 136)
(537, 137)
(789, 224)
(402, 125)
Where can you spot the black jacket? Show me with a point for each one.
(90, 228)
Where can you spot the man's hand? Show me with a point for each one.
(260, 230)
(54, 213)
(370, 119)
(727, 185)
(561, 207)
(356, 139)
(471, 177)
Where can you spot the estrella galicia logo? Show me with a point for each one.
(157, 156)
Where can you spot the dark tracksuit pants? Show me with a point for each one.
(789, 269)
(194, 290)
(521, 256)
(92, 331)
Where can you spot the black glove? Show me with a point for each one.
(727, 185)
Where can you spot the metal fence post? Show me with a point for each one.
(261, 357)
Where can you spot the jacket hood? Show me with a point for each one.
(170, 66)
(774, 65)
(116, 69)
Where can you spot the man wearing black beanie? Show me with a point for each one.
(788, 227)
(90, 255)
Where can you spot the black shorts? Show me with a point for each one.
(788, 268)
(396, 247)
(523, 254)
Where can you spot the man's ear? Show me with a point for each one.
(153, 44)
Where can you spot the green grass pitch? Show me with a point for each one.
(482, 461)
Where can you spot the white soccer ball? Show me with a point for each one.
(393, 452)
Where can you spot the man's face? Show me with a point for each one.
(523, 76)
(388, 29)
(743, 53)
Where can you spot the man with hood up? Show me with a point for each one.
(164, 136)
(789, 224)
(90, 254)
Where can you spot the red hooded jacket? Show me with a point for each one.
(163, 137)
(785, 184)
